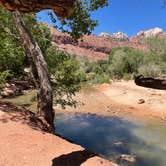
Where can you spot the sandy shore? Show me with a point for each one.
(23, 143)
(122, 99)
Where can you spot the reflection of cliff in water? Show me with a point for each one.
(150, 82)
(112, 137)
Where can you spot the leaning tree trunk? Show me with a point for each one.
(45, 103)
(32, 71)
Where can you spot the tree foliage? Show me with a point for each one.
(155, 45)
(66, 76)
(124, 60)
(80, 22)
(64, 69)
(11, 53)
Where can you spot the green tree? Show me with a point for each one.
(80, 23)
(66, 76)
(11, 53)
(155, 45)
(123, 61)
(154, 63)
(64, 68)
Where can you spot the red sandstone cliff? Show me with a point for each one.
(98, 47)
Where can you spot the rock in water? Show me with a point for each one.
(126, 159)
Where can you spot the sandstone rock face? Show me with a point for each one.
(155, 32)
(61, 8)
(91, 46)
(151, 33)
(103, 34)
(119, 36)
(99, 47)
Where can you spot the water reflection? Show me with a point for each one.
(112, 137)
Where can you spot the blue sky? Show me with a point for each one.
(129, 16)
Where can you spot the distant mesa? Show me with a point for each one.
(120, 36)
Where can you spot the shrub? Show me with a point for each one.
(5, 75)
(124, 61)
(150, 70)
(101, 78)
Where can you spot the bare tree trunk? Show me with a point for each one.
(45, 103)
(33, 70)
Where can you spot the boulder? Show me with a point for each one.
(15, 88)
(141, 101)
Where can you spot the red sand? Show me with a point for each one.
(23, 143)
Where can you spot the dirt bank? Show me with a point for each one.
(24, 143)
(124, 99)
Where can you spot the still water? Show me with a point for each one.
(112, 136)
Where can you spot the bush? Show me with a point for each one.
(5, 75)
(124, 61)
(150, 70)
(127, 76)
(100, 79)
(155, 45)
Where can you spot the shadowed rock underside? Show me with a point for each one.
(62, 8)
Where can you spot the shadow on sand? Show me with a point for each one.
(73, 159)
(21, 114)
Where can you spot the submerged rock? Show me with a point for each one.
(126, 159)
(120, 143)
